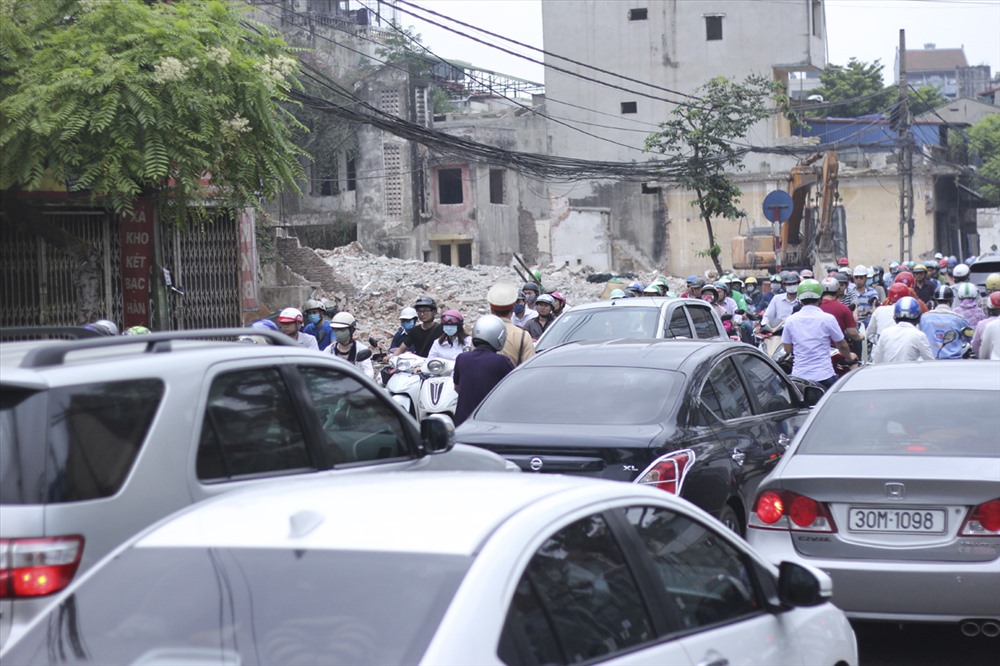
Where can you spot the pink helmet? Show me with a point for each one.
(452, 317)
(559, 297)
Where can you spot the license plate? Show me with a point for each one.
(906, 521)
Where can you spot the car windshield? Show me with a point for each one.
(584, 395)
(605, 324)
(919, 422)
(249, 606)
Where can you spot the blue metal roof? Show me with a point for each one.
(871, 132)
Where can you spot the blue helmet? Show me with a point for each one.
(636, 287)
(907, 309)
(264, 323)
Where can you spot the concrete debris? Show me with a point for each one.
(381, 287)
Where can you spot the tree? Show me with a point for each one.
(859, 86)
(703, 130)
(130, 97)
(984, 140)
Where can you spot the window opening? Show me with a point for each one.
(630, 107)
(713, 28)
(450, 186)
(496, 186)
(638, 14)
(352, 175)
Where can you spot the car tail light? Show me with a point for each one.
(38, 567)
(983, 520)
(785, 510)
(668, 471)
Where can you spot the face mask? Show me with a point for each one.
(342, 334)
(791, 288)
(531, 300)
(751, 288)
(407, 325)
(450, 329)
(314, 318)
(519, 308)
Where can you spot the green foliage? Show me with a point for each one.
(124, 97)
(703, 131)
(859, 85)
(984, 140)
(404, 47)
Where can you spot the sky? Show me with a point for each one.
(863, 29)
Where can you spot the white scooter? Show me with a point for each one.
(404, 382)
(437, 393)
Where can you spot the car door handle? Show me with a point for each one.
(713, 658)
(739, 456)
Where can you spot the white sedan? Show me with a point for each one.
(441, 568)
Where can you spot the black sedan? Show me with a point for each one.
(705, 420)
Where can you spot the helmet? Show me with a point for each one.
(790, 276)
(970, 260)
(830, 285)
(104, 327)
(897, 291)
(343, 320)
(710, 289)
(993, 302)
(633, 286)
(893, 265)
(265, 323)
(530, 286)
(427, 302)
(961, 271)
(723, 287)
(943, 264)
(952, 262)
(993, 282)
(312, 304)
(938, 255)
(698, 283)
(810, 290)
(871, 273)
(844, 270)
(547, 298)
(502, 295)
(910, 265)
(452, 317)
(841, 277)
(690, 278)
(967, 290)
(137, 330)
(407, 313)
(944, 294)
(878, 270)
(906, 278)
(618, 293)
(775, 278)
(843, 262)
(919, 268)
(751, 280)
(808, 274)
(562, 299)
(491, 330)
(860, 271)
(289, 315)
(906, 308)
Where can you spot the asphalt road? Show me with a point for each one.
(923, 645)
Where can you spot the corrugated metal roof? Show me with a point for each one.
(872, 133)
(935, 60)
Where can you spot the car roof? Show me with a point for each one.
(636, 302)
(941, 375)
(658, 353)
(431, 512)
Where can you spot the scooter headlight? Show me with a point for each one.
(434, 367)
(403, 365)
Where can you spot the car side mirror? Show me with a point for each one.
(812, 395)
(363, 355)
(437, 434)
(799, 585)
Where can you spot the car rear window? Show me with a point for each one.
(582, 395)
(606, 324)
(249, 606)
(73, 443)
(922, 422)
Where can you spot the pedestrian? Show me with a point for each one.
(517, 347)
(290, 323)
(346, 347)
(904, 341)
(317, 325)
(478, 371)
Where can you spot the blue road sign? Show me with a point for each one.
(778, 206)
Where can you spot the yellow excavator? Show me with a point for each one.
(815, 234)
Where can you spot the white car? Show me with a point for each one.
(441, 568)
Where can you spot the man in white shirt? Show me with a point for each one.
(808, 334)
(904, 341)
(990, 347)
(781, 306)
(290, 323)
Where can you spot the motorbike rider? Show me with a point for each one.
(418, 340)
(753, 295)
(560, 301)
(830, 304)
(407, 320)
(939, 322)
(904, 341)
(773, 291)
(522, 315)
(531, 292)
(965, 304)
(346, 347)
(318, 326)
(104, 327)
(290, 323)
(867, 298)
(694, 288)
(453, 340)
(883, 316)
(478, 371)
(993, 311)
(923, 286)
(545, 305)
(959, 274)
(808, 334)
(517, 346)
(781, 307)
(992, 283)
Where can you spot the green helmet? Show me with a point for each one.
(810, 290)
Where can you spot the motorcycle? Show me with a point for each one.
(404, 380)
(437, 393)
(768, 340)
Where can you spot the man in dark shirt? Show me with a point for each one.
(845, 318)
(418, 340)
(923, 286)
(478, 371)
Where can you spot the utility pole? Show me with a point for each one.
(905, 161)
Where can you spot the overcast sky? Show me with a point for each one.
(864, 29)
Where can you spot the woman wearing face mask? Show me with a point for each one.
(344, 324)
(454, 340)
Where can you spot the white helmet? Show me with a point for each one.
(343, 320)
(960, 271)
(860, 271)
(289, 315)
(407, 314)
(967, 290)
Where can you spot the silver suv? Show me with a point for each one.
(101, 437)
(645, 317)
